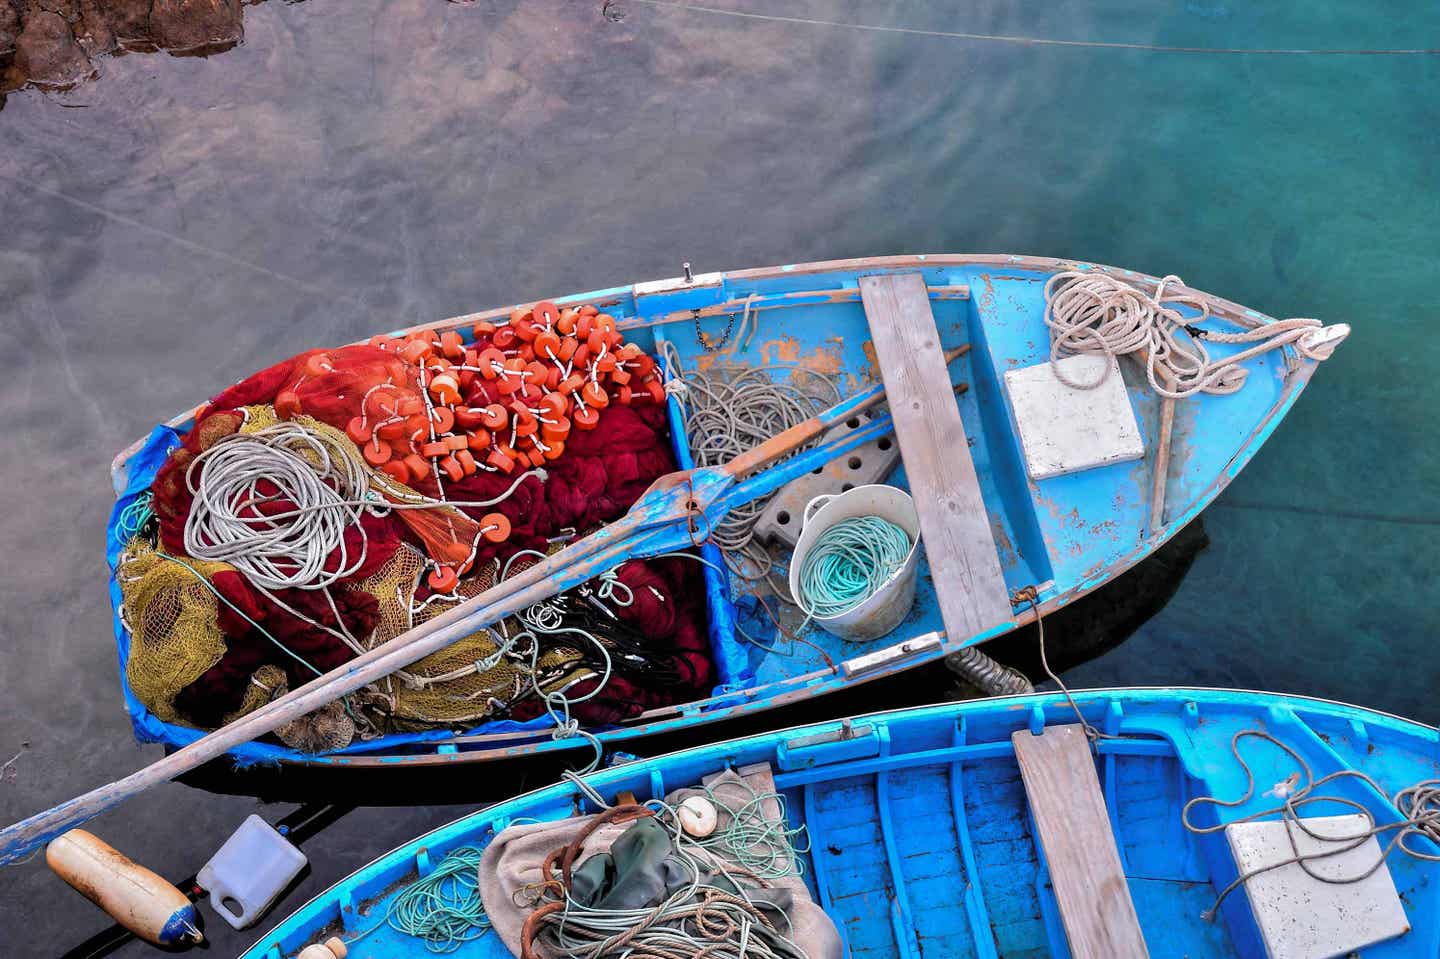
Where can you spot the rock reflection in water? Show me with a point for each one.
(54, 44)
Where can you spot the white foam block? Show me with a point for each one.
(1304, 918)
(1064, 429)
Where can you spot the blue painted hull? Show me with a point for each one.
(921, 838)
(1063, 536)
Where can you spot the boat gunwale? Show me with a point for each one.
(1220, 306)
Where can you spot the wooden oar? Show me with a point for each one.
(675, 503)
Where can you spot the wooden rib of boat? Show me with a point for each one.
(990, 828)
(1001, 547)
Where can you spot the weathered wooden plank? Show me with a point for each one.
(953, 521)
(1074, 827)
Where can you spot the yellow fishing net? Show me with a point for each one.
(455, 685)
(171, 613)
(329, 727)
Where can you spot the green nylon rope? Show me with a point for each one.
(133, 517)
(847, 564)
(444, 908)
(764, 846)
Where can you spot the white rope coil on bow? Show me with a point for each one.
(1092, 313)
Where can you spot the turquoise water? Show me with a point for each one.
(183, 222)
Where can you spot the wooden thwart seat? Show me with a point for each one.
(954, 525)
(1074, 830)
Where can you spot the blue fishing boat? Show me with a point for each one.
(1013, 826)
(1054, 422)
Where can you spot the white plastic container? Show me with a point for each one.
(249, 872)
(889, 604)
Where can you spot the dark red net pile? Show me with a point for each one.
(600, 473)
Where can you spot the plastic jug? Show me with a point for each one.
(249, 872)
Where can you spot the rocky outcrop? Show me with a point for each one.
(50, 43)
(94, 33)
(9, 33)
(47, 53)
(129, 20)
(196, 25)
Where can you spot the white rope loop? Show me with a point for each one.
(1093, 313)
(326, 482)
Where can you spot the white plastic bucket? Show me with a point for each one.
(887, 606)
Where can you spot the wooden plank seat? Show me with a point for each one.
(954, 524)
(1074, 830)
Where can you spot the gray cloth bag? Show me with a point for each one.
(632, 866)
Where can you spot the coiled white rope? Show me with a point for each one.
(1094, 313)
(286, 462)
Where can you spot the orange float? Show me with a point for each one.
(358, 430)
(594, 394)
(585, 418)
(545, 314)
(501, 460)
(451, 345)
(443, 579)
(287, 404)
(442, 418)
(495, 527)
(495, 417)
(377, 451)
(492, 361)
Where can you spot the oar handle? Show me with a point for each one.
(675, 498)
(584, 560)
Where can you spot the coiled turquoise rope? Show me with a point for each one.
(444, 908)
(848, 562)
(133, 517)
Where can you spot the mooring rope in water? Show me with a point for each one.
(1034, 41)
(1418, 807)
(1093, 313)
(848, 563)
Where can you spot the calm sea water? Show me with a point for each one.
(183, 222)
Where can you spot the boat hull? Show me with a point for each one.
(919, 825)
(1062, 537)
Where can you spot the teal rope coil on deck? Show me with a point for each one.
(848, 563)
(444, 908)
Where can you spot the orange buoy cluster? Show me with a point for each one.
(509, 399)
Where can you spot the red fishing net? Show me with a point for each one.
(544, 427)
